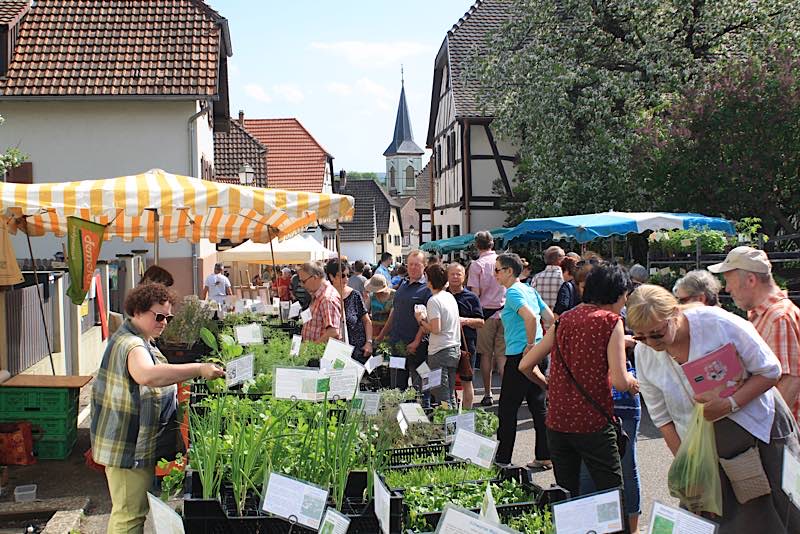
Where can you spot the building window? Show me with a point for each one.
(410, 177)
(449, 163)
(397, 240)
(392, 179)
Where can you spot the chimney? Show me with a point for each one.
(9, 29)
(342, 180)
(241, 117)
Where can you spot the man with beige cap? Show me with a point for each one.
(748, 279)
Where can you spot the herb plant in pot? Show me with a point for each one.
(180, 342)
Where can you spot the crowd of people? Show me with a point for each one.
(581, 342)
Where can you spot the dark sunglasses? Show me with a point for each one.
(686, 300)
(500, 269)
(160, 317)
(653, 336)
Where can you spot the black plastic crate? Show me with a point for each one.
(404, 456)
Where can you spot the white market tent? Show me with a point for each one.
(295, 250)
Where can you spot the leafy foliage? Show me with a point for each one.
(575, 84)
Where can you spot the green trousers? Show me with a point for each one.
(129, 506)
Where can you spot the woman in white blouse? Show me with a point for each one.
(669, 335)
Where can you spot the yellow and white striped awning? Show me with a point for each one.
(172, 207)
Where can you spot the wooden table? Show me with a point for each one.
(46, 381)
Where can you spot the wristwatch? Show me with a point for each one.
(734, 405)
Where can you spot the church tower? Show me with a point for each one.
(403, 156)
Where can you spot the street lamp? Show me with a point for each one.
(246, 174)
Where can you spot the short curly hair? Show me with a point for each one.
(142, 297)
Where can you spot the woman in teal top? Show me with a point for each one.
(381, 301)
(522, 317)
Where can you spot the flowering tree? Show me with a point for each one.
(572, 82)
(730, 145)
(11, 158)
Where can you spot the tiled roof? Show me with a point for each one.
(294, 158)
(381, 201)
(423, 181)
(467, 37)
(363, 225)
(11, 10)
(95, 48)
(234, 149)
(403, 139)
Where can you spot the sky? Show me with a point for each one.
(335, 66)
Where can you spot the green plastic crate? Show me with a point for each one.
(47, 427)
(55, 450)
(55, 401)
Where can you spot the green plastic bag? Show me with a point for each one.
(694, 474)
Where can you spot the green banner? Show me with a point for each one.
(83, 241)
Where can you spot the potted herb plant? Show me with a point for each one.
(180, 342)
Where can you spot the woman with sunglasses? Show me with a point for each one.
(698, 286)
(359, 325)
(134, 403)
(753, 420)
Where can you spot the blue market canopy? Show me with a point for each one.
(585, 228)
(459, 242)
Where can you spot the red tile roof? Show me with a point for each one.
(235, 148)
(117, 47)
(10, 10)
(295, 160)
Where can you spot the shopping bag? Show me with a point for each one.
(16, 444)
(694, 474)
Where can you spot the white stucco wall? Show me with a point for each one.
(99, 139)
(359, 250)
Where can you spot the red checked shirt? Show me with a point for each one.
(547, 283)
(326, 312)
(777, 319)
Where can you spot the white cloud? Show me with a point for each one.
(337, 88)
(256, 91)
(382, 96)
(289, 92)
(372, 54)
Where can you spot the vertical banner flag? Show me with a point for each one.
(83, 240)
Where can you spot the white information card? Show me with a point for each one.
(457, 520)
(165, 519)
(790, 479)
(668, 520)
(382, 503)
(413, 412)
(454, 422)
(305, 315)
(370, 402)
(239, 370)
(600, 513)
(249, 334)
(294, 310)
(336, 354)
(342, 383)
(373, 363)
(397, 362)
(296, 342)
(478, 449)
(432, 380)
(301, 383)
(334, 523)
(295, 500)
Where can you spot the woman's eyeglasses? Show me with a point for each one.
(686, 300)
(500, 269)
(160, 317)
(655, 336)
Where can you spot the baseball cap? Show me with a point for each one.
(744, 258)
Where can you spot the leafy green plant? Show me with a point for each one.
(486, 423)
(430, 475)
(206, 453)
(190, 318)
(172, 482)
(537, 522)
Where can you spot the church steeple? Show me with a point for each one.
(403, 140)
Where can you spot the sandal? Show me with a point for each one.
(544, 465)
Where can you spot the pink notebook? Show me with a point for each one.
(721, 367)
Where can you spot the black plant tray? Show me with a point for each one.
(398, 457)
(181, 354)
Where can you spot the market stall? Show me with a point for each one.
(461, 242)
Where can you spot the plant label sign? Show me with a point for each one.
(301, 383)
(478, 449)
(295, 500)
(334, 523)
(336, 355)
(423, 369)
(305, 315)
(456, 520)
(260, 307)
(165, 519)
(668, 520)
(370, 402)
(382, 502)
(402, 422)
(599, 512)
(240, 306)
(432, 380)
(276, 302)
(397, 362)
(790, 479)
(413, 412)
(296, 342)
(239, 370)
(294, 310)
(373, 363)
(342, 383)
(249, 334)
(454, 422)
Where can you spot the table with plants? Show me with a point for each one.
(239, 436)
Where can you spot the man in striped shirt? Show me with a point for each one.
(748, 278)
(548, 281)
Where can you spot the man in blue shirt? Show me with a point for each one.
(383, 266)
(402, 327)
(471, 315)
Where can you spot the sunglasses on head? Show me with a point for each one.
(160, 317)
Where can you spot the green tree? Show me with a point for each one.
(355, 175)
(572, 81)
(730, 144)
